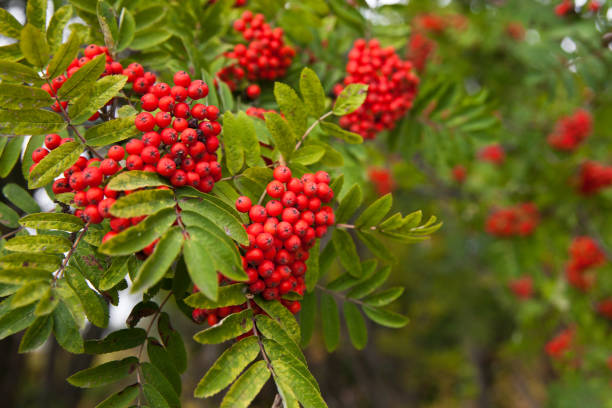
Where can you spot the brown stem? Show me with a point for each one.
(60, 271)
(340, 296)
(8, 234)
(261, 198)
(258, 336)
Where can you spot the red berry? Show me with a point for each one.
(93, 176)
(145, 122)
(39, 154)
(257, 213)
(275, 189)
(94, 195)
(134, 146)
(109, 167)
(182, 78)
(243, 204)
(52, 141)
(253, 91)
(149, 102)
(150, 155)
(116, 153)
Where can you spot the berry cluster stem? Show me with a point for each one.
(311, 128)
(60, 271)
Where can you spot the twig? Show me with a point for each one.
(340, 295)
(258, 336)
(263, 195)
(60, 271)
(311, 128)
(8, 234)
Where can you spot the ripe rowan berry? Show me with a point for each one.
(52, 141)
(243, 204)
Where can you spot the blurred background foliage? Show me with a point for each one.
(494, 72)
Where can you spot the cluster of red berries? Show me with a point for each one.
(237, 3)
(561, 343)
(436, 23)
(520, 220)
(282, 232)
(420, 48)
(264, 57)
(180, 141)
(392, 86)
(585, 255)
(516, 30)
(134, 72)
(593, 177)
(459, 173)
(570, 131)
(280, 235)
(567, 6)
(604, 308)
(382, 179)
(493, 153)
(522, 287)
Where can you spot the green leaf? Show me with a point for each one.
(123, 339)
(331, 322)
(34, 45)
(36, 334)
(334, 130)
(312, 92)
(9, 26)
(355, 324)
(52, 221)
(350, 99)
(36, 13)
(140, 310)
(282, 135)
(102, 91)
(13, 71)
(369, 285)
(240, 141)
(111, 132)
(159, 357)
(349, 204)
(47, 303)
(307, 317)
(20, 198)
(127, 28)
(30, 122)
(23, 97)
(66, 330)
(56, 28)
(229, 328)
(143, 202)
(104, 374)
(201, 265)
(278, 312)
(347, 252)
(108, 24)
(173, 342)
(216, 211)
(26, 161)
(378, 248)
(135, 179)
(154, 397)
(149, 38)
(147, 17)
(308, 155)
(156, 265)
(154, 377)
(95, 307)
(375, 213)
(115, 273)
(121, 399)
(8, 216)
(292, 107)
(29, 293)
(247, 386)
(272, 330)
(47, 262)
(384, 297)
(225, 97)
(140, 235)
(23, 275)
(10, 156)
(227, 367)
(228, 295)
(54, 164)
(83, 78)
(16, 320)
(385, 317)
(66, 53)
(39, 243)
(312, 267)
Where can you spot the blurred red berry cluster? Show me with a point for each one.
(570, 131)
(561, 343)
(264, 57)
(420, 49)
(392, 86)
(520, 220)
(493, 153)
(522, 287)
(382, 179)
(585, 255)
(593, 177)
